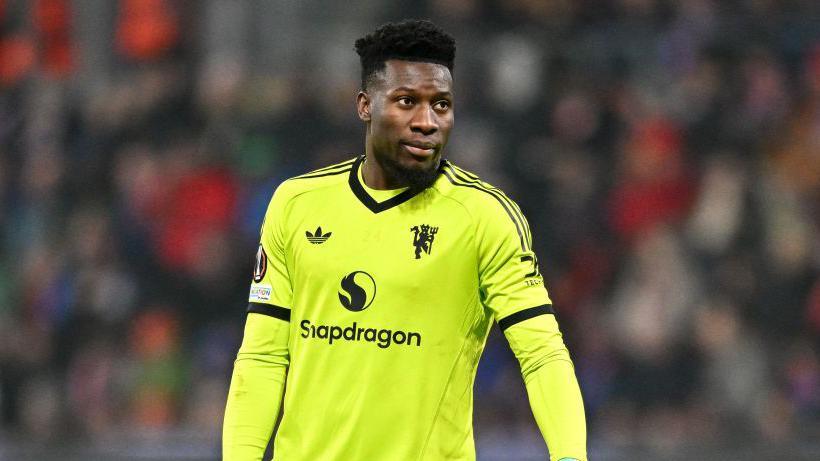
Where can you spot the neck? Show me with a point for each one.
(375, 175)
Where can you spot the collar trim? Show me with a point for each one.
(370, 202)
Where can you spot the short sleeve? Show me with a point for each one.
(271, 284)
(509, 277)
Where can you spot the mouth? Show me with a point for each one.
(419, 149)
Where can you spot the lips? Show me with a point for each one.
(420, 149)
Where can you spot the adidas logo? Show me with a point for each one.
(317, 237)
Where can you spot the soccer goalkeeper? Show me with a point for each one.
(377, 281)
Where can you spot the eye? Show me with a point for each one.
(405, 101)
(442, 105)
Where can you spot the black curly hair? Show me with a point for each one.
(409, 40)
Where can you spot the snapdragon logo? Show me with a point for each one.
(358, 291)
(383, 338)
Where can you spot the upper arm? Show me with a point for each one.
(271, 290)
(509, 278)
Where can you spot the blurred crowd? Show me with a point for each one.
(666, 153)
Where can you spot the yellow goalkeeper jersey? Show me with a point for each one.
(390, 296)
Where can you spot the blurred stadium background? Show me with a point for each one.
(666, 152)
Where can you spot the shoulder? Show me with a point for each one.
(315, 180)
(493, 210)
(479, 196)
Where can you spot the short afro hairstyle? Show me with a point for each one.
(409, 40)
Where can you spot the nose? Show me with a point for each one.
(424, 120)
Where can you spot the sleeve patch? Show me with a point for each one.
(261, 265)
(260, 293)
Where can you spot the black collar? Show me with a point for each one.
(370, 202)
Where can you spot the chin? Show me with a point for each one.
(426, 164)
(415, 174)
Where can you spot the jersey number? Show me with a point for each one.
(534, 261)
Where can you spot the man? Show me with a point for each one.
(377, 281)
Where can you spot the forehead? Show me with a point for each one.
(418, 75)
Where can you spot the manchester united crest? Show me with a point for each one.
(423, 236)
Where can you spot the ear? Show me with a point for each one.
(363, 106)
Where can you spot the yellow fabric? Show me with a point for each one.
(551, 385)
(256, 388)
(386, 327)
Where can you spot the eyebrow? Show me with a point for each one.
(414, 90)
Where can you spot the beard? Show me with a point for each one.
(416, 179)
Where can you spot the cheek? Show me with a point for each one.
(445, 124)
(390, 124)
